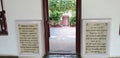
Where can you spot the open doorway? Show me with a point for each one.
(47, 27)
(62, 24)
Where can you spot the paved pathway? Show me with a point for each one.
(62, 31)
(62, 39)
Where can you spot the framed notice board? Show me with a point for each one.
(95, 37)
(28, 35)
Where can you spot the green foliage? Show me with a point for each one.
(73, 19)
(55, 15)
(62, 5)
(58, 7)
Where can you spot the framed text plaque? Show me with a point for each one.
(28, 37)
(95, 37)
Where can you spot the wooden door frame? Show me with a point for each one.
(78, 25)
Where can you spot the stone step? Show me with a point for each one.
(62, 56)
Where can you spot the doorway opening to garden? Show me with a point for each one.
(65, 21)
(62, 26)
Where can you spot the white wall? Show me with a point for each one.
(105, 9)
(19, 10)
(31, 9)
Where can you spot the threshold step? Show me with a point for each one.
(62, 56)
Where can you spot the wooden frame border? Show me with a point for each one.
(3, 23)
(119, 29)
(46, 26)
